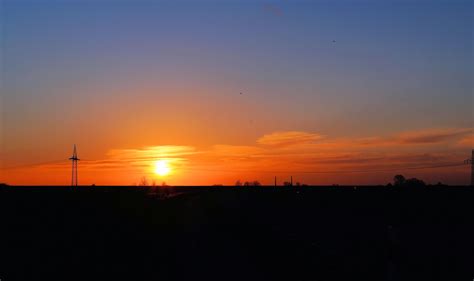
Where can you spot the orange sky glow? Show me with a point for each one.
(433, 155)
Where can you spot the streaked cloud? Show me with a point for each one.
(139, 158)
(151, 152)
(288, 138)
(237, 150)
(432, 135)
(418, 137)
(467, 141)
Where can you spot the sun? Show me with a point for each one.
(162, 168)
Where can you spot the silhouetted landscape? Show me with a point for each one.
(237, 233)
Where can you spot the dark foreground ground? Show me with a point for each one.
(237, 234)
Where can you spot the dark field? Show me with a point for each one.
(217, 233)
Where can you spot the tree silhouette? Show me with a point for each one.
(143, 182)
(399, 180)
(252, 183)
(414, 182)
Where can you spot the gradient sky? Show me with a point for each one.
(131, 82)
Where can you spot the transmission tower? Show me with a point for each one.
(74, 160)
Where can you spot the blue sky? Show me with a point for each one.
(394, 66)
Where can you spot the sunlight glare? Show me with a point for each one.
(162, 168)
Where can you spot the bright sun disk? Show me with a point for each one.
(162, 168)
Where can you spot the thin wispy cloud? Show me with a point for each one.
(419, 137)
(237, 150)
(150, 152)
(288, 138)
(467, 141)
(294, 147)
(432, 135)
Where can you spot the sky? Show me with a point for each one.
(329, 92)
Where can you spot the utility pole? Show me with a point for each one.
(291, 181)
(471, 161)
(472, 168)
(74, 160)
(275, 181)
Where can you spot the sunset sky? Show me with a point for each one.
(329, 92)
